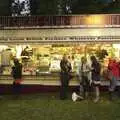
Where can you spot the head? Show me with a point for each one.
(65, 57)
(69, 57)
(72, 57)
(26, 48)
(83, 59)
(114, 61)
(93, 59)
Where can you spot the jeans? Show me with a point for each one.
(113, 83)
(64, 85)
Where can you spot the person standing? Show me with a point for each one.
(113, 69)
(66, 68)
(84, 77)
(17, 76)
(95, 74)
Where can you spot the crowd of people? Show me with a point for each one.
(89, 75)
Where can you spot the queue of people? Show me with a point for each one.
(89, 74)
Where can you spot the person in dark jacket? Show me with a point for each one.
(17, 76)
(64, 76)
(95, 74)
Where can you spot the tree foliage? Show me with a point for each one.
(58, 7)
(44, 7)
(4, 7)
(86, 6)
(113, 7)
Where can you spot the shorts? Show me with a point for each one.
(96, 83)
(96, 80)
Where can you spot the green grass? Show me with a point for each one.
(47, 106)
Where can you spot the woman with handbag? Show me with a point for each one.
(65, 76)
(95, 74)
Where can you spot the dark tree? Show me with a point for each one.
(34, 7)
(86, 6)
(51, 7)
(20, 8)
(5, 7)
(113, 7)
(44, 7)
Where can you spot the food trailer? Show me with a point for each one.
(39, 42)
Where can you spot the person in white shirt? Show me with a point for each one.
(84, 73)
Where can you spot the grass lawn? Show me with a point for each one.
(47, 106)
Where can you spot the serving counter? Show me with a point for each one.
(48, 79)
(45, 79)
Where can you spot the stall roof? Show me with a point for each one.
(87, 20)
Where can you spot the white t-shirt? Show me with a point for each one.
(86, 70)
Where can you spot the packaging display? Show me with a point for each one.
(55, 63)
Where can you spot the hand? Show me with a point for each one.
(90, 82)
(92, 69)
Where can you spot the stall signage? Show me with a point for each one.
(60, 39)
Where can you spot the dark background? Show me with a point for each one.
(58, 7)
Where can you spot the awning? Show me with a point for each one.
(60, 36)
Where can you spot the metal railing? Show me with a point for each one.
(76, 20)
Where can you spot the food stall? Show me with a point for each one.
(41, 49)
(42, 62)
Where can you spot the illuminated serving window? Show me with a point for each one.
(38, 59)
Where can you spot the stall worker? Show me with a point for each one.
(6, 56)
